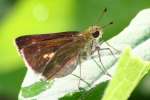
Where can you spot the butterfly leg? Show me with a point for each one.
(97, 48)
(118, 51)
(80, 76)
(79, 72)
(108, 50)
(81, 80)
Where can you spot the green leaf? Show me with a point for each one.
(96, 93)
(130, 70)
(35, 89)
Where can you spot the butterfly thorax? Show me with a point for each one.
(90, 36)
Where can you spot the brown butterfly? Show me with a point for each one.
(57, 54)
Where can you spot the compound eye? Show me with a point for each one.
(95, 34)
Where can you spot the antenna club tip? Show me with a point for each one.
(105, 9)
(112, 22)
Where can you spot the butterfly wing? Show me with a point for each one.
(27, 40)
(65, 59)
(37, 50)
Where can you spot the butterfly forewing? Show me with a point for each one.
(26, 40)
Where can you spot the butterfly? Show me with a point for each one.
(56, 55)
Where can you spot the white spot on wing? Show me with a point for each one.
(48, 55)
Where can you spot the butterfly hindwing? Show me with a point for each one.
(65, 60)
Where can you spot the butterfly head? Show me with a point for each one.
(95, 31)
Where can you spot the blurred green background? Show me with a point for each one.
(20, 17)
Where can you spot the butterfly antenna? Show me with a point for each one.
(110, 23)
(101, 16)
